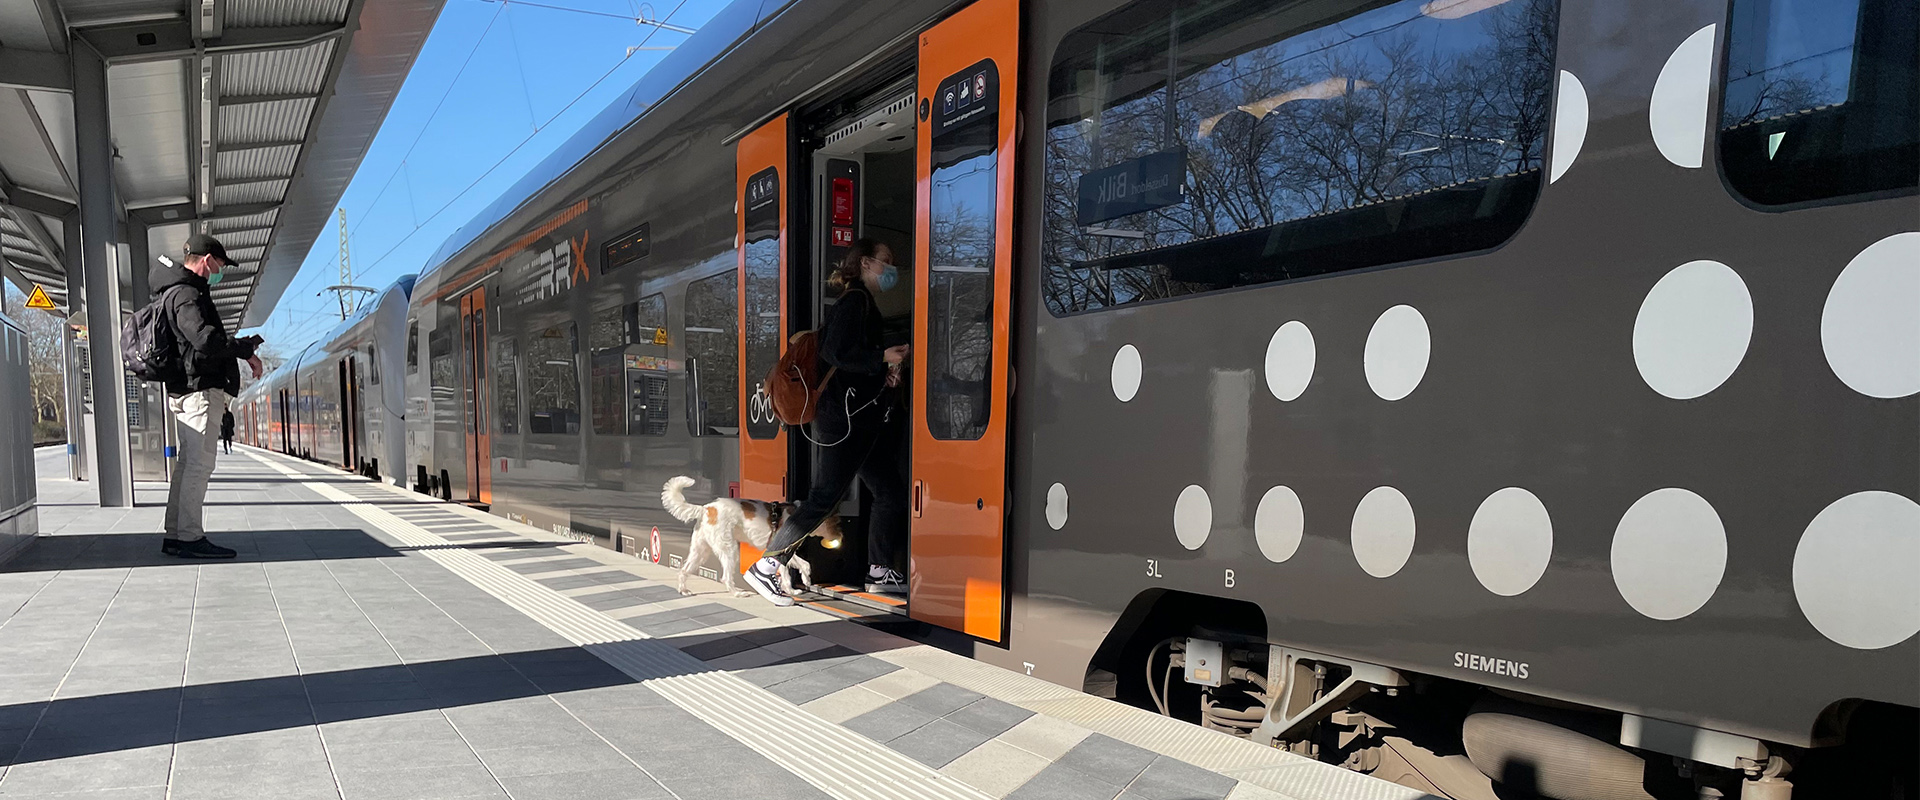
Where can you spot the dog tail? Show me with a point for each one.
(675, 502)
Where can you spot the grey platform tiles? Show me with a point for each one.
(369, 650)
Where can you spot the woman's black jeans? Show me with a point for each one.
(875, 452)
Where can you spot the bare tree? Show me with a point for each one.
(46, 381)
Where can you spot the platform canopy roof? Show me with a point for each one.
(241, 118)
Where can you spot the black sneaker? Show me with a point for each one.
(768, 586)
(882, 580)
(198, 548)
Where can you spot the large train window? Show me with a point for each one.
(961, 254)
(1821, 99)
(762, 317)
(713, 360)
(1201, 145)
(553, 380)
(506, 385)
(608, 340)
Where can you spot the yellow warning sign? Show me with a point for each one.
(39, 299)
(659, 335)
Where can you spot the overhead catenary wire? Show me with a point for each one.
(418, 223)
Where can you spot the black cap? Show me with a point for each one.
(201, 244)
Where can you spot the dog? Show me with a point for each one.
(726, 521)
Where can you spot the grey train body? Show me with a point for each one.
(1529, 381)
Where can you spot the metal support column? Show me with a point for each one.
(98, 259)
(73, 354)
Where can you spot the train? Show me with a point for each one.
(1507, 398)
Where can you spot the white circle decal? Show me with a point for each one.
(1569, 125)
(1510, 541)
(1397, 351)
(1693, 329)
(1192, 517)
(1126, 372)
(1278, 523)
(1869, 329)
(1290, 358)
(1669, 554)
(1383, 532)
(1057, 506)
(1677, 114)
(1853, 570)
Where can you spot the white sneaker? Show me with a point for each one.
(881, 580)
(768, 586)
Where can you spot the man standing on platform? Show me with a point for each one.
(199, 393)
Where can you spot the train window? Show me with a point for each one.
(373, 367)
(713, 355)
(960, 266)
(553, 380)
(1201, 145)
(761, 317)
(647, 320)
(413, 347)
(1821, 99)
(506, 385)
(608, 340)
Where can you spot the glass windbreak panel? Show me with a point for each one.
(608, 338)
(762, 314)
(1200, 145)
(713, 355)
(1821, 99)
(553, 381)
(506, 386)
(961, 253)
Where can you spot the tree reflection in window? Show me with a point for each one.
(553, 381)
(1409, 130)
(713, 354)
(506, 385)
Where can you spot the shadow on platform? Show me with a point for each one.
(122, 550)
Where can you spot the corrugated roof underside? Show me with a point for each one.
(272, 13)
(298, 71)
(257, 163)
(254, 192)
(264, 219)
(257, 123)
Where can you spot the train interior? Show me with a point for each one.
(861, 185)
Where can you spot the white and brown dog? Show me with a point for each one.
(724, 522)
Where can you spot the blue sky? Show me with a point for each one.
(492, 77)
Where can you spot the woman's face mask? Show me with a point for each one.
(888, 278)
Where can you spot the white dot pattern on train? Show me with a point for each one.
(1057, 506)
(1193, 517)
(1569, 125)
(1382, 532)
(1278, 524)
(1290, 361)
(1693, 329)
(1398, 349)
(1126, 372)
(1869, 328)
(1677, 114)
(1853, 570)
(1510, 541)
(1669, 554)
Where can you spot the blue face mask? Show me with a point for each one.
(889, 277)
(214, 277)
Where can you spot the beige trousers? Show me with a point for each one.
(196, 422)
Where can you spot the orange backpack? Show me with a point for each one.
(795, 383)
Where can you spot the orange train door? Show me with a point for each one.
(761, 240)
(473, 334)
(968, 73)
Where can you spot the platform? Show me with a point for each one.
(372, 643)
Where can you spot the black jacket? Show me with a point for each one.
(853, 342)
(212, 357)
(226, 425)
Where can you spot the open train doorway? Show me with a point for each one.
(860, 186)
